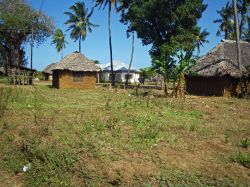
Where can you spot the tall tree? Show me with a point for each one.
(225, 21)
(201, 39)
(243, 7)
(162, 23)
(17, 21)
(123, 8)
(109, 3)
(128, 76)
(59, 41)
(79, 22)
(243, 88)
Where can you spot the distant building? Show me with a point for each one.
(120, 70)
(217, 72)
(75, 71)
(47, 72)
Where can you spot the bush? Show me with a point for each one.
(39, 75)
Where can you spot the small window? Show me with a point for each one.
(77, 76)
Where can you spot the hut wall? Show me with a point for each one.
(66, 80)
(231, 86)
(210, 86)
(55, 79)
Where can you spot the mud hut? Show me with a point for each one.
(217, 72)
(75, 71)
(47, 72)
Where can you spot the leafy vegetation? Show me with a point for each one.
(72, 138)
(245, 143)
(171, 30)
(79, 22)
(226, 20)
(59, 41)
(242, 159)
(18, 22)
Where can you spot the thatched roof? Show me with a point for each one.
(222, 60)
(76, 62)
(49, 68)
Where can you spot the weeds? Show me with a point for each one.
(74, 138)
(245, 143)
(242, 159)
(5, 95)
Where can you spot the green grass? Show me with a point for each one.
(242, 159)
(3, 79)
(103, 138)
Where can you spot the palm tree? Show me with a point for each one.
(238, 48)
(201, 39)
(226, 26)
(79, 22)
(243, 6)
(131, 59)
(59, 41)
(109, 3)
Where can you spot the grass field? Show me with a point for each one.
(114, 138)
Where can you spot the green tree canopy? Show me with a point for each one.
(79, 22)
(226, 20)
(18, 21)
(156, 21)
(59, 41)
(170, 26)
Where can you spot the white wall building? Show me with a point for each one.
(120, 70)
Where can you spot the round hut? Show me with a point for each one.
(217, 73)
(75, 71)
(47, 72)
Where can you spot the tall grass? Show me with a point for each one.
(5, 95)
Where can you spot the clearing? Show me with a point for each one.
(114, 138)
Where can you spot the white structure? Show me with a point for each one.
(120, 70)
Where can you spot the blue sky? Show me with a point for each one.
(96, 45)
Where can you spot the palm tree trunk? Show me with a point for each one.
(226, 34)
(131, 59)
(238, 48)
(110, 47)
(62, 54)
(80, 39)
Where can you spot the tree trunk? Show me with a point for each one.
(62, 54)
(165, 88)
(226, 34)
(110, 47)
(131, 59)
(178, 90)
(80, 40)
(236, 21)
(31, 48)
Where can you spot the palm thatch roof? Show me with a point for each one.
(49, 68)
(76, 62)
(222, 60)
